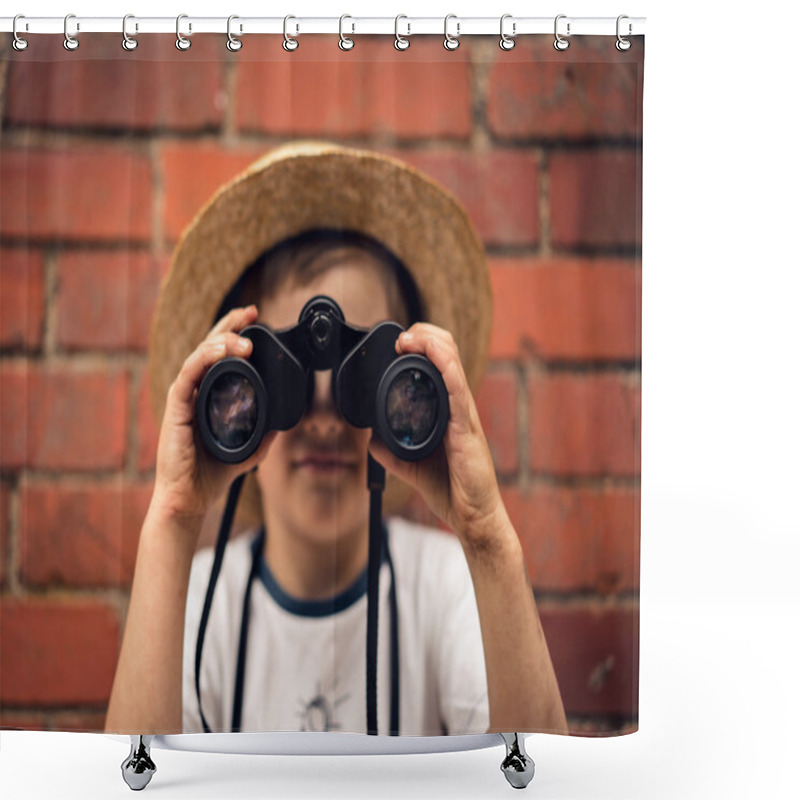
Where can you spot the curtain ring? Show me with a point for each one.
(70, 42)
(451, 42)
(128, 42)
(345, 43)
(233, 44)
(561, 43)
(290, 44)
(19, 43)
(400, 42)
(623, 44)
(182, 43)
(507, 42)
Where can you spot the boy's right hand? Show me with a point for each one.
(189, 480)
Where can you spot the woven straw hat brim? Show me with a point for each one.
(308, 185)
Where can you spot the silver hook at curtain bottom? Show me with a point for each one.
(517, 766)
(138, 768)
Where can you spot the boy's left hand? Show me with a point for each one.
(458, 481)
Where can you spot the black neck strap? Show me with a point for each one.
(241, 657)
(376, 480)
(219, 552)
(378, 549)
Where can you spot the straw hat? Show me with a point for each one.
(305, 185)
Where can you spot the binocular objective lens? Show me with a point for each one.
(232, 410)
(412, 407)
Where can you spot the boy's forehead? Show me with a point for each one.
(357, 285)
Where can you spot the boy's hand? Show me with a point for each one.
(188, 480)
(458, 481)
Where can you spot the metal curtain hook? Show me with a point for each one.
(19, 43)
(182, 43)
(507, 42)
(233, 44)
(290, 44)
(561, 43)
(70, 42)
(345, 43)
(128, 42)
(400, 42)
(622, 43)
(451, 42)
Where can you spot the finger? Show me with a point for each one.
(205, 355)
(420, 331)
(260, 454)
(431, 341)
(235, 320)
(405, 470)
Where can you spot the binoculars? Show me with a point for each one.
(402, 398)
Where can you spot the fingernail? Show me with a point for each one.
(242, 344)
(405, 338)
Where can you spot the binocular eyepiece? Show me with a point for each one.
(402, 398)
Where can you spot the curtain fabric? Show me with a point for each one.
(106, 157)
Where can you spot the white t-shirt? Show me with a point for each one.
(305, 666)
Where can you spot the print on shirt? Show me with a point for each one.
(317, 714)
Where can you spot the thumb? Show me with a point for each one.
(405, 470)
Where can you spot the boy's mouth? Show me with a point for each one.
(320, 461)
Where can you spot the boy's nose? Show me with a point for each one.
(321, 411)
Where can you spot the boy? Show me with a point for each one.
(385, 243)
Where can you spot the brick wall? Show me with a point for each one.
(106, 155)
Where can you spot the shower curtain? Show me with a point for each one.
(106, 157)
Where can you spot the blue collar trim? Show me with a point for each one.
(308, 608)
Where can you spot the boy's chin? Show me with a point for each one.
(329, 516)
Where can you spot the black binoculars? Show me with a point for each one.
(402, 398)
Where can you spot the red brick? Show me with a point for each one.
(571, 98)
(498, 411)
(595, 654)
(192, 175)
(22, 721)
(372, 90)
(585, 424)
(5, 532)
(106, 300)
(595, 198)
(79, 721)
(499, 189)
(607, 725)
(56, 653)
(83, 536)
(578, 539)
(93, 193)
(21, 298)
(152, 87)
(567, 309)
(60, 418)
(146, 429)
